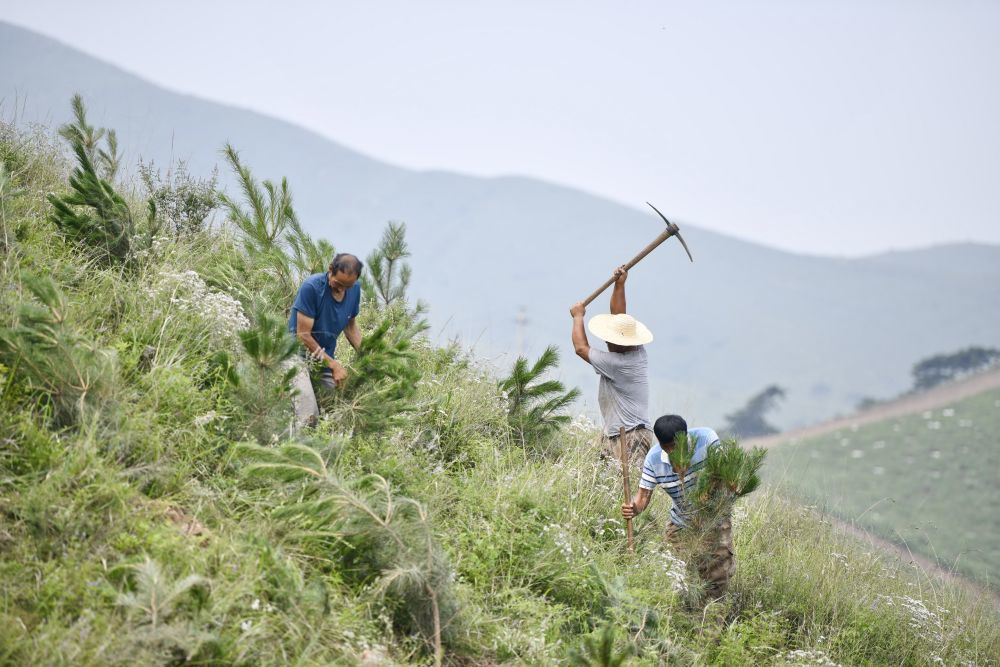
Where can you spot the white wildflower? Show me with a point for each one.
(857, 454)
(560, 538)
(948, 412)
(926, 622)
(188, 293)
(205, 419)
(582, 423)
(673, 568)
(255, 605)
(246, 625)
(809, 657)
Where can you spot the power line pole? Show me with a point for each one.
(521, 321)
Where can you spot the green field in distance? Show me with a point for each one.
(928, 481)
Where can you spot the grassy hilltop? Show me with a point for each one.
(158, 508)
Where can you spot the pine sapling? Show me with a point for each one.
(382, 379)
(45, 350)
(265, 381)
(535, 406)
(390, 275)
(93, 214)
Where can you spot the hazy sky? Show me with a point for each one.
(821, 126)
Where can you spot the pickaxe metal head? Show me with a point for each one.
(673, 228)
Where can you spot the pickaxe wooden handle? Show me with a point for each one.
(623, 453)
(671, 230)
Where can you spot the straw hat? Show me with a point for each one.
(620, 329)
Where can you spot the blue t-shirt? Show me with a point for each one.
(657, 471)
(315, 300)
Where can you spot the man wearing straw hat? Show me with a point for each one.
(623, 392)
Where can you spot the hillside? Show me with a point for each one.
(741, 317)
(924, 480)
(159, 508)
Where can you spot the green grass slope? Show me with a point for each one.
(157, 507)
(926, 481)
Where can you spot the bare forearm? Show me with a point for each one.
(315, 349)
(618, 300)
(580, 343)
(353, 334)
(641, 500)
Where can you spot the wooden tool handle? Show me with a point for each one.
(623, 449)
(666, 234)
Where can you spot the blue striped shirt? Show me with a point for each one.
(657, 471)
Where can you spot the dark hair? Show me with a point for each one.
(667, 427)
(347, 263)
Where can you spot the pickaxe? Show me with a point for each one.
(671, 230)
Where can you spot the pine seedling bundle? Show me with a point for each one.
(382, 378)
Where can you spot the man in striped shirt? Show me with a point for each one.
(717, 566)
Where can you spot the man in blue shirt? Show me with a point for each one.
(326, 305)
(717, 566)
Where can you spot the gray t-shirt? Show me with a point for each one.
(623, 394)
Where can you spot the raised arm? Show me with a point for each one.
(580, 343)
(618, 294)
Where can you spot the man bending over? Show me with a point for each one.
(717, 566)
(326, 305)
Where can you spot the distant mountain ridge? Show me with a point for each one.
(742, 316)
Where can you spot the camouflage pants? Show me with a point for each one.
(715, 561)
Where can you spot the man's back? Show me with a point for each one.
(623, 393)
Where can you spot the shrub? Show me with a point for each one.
(179, 203)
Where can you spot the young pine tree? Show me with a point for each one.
(389, 274)
(729, 473)
(382, 379)
(385, 541)
(263, 382)
(46, 352)
(93, 214)
(276, 246)
(534, 406)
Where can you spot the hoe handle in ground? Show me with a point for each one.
(623, 449)
(671, 230)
